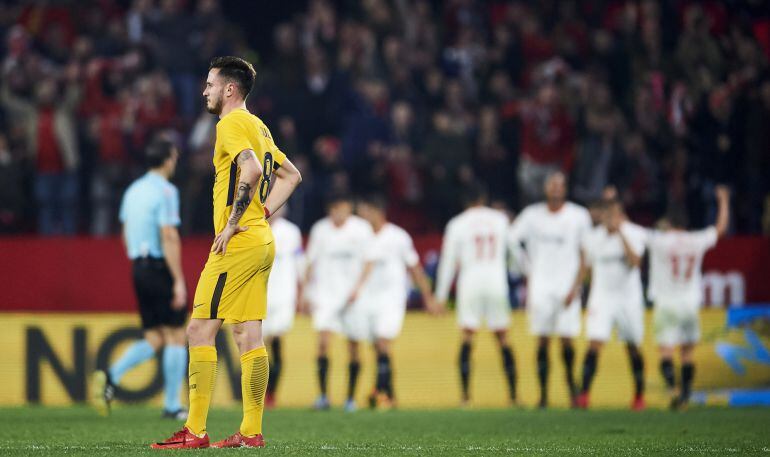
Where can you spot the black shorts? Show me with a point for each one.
(154, 288)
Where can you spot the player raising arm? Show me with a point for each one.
(233, 284)
(676, 257)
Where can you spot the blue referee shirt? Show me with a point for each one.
(150, 202)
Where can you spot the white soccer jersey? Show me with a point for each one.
(381, 306)
(613, 281)
(285, 274)
(336, 255)
(284, 278)
(475, 244)
(392, 252)
(616, 298)
(552, 241)
(676, 258)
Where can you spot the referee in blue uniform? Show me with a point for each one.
(150, 216)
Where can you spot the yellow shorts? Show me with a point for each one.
(233, 287)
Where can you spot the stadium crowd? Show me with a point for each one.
(413, 98)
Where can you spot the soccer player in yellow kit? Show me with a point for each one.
(233, 284)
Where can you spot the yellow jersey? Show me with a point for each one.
(237, 131)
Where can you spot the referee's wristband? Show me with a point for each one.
(267, 212)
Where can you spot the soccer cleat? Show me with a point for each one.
(180, 415)
(543, 404)
(103, 392)
(385, 403)
(638, 404)
(321, 403)
(269, 400)
(183, 439)
(582, 401)
(238, 440)
(350, 406)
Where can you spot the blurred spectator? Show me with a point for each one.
(547, 139)
(11, 188)
(51, 139)
(417, 98)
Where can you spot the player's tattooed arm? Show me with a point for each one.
(250, 170)
(243, 197)
(247, 184)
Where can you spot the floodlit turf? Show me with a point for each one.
(77, 431)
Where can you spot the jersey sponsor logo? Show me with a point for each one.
(199, 304)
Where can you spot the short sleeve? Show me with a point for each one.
(410, 256)
(168, 213)
(233, 137)
(707, 238)
(278, 155)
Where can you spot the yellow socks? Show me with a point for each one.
(254, 374)
(203, 372)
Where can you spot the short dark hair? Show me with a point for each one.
(474, 193)
(338, 197)
(377, 201)
(237, 70)
(158, 152)
(677, 218)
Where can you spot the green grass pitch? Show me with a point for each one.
(42, 431)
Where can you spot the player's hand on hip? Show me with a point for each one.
(179, 299)
(223, 237)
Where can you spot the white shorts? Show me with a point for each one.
(549, 317)
(327, 313)
(476, 307)
(627, 319)
(375, 318)
(676, 325)
(280, 318)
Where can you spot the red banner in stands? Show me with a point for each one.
(89, 274)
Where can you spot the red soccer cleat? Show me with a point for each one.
(582, 401)
(638, 404)
(238, 440)
(183, 439)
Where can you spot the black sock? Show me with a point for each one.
(465, 367)
(637, 369)
(667, 370)
(688, 372)
(589, 369)
(542, 372)
(509, 365)
(384, 377)
(353, 368)
(275, 366)
(323, 370)
(568, 354)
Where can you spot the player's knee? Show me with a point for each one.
(382, 346)
(502, 338)
(198, 334)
